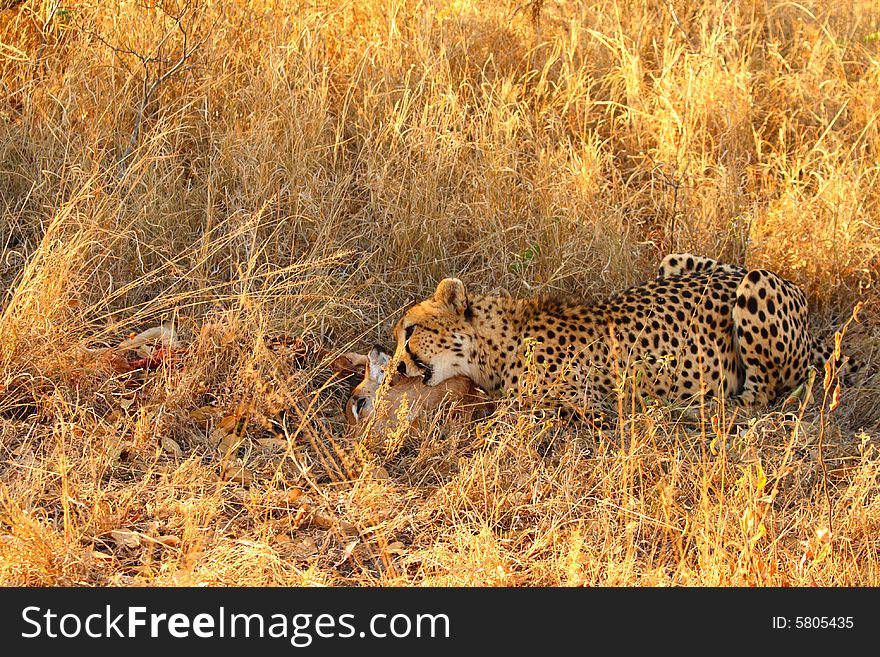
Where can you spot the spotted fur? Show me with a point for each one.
(700, 328)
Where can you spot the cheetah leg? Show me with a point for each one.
(771, 336)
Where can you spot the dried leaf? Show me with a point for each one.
(241, 494)
(272, 443)
(217, 436)
(229, 443)
(234, 470)
(762, 478)
(306, 548)
(294, 495)
(228, 423)
(379, 473)
(203, 415)
(348, 529)
(170, 445)
(346, 553)
(762, 532)
(835, 398)
(126, 538)
(319, 520)
(170, 540)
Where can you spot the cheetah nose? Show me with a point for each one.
(401, 367)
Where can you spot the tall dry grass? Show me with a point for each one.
(307, 169)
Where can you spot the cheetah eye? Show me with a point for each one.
(408, 332)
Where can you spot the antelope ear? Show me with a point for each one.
(451, 292)
(378, 359)
(350, 363)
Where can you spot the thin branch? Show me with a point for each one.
(152, 63)
(149, 92)
(49, 18)
(678, 24)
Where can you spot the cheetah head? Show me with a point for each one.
(435, 338)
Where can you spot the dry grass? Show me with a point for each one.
(311, 168)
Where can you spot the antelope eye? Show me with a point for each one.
(359, 405)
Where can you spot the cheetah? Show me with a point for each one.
(701, 328)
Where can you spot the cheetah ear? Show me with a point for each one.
(451, 292)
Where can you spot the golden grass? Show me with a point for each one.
(313, 167)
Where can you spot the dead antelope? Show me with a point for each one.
(419, 397)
